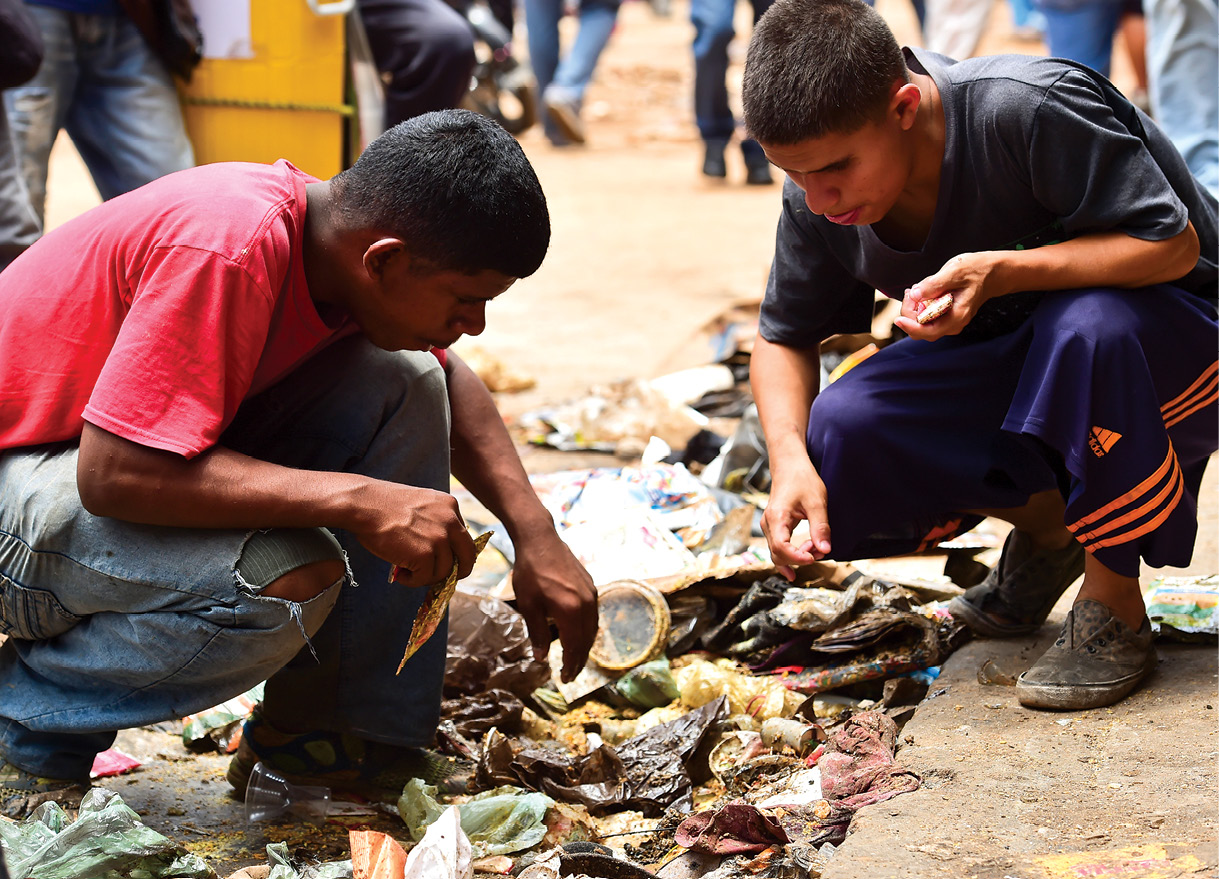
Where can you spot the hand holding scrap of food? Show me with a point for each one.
(933, 309)
(435, 603)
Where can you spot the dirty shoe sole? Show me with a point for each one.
(1080, 696)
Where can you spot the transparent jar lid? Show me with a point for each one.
(633, 627)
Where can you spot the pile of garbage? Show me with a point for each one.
(729, 723)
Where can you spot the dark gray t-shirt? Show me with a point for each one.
(1036, 150)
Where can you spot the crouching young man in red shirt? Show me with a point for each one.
(221, 423)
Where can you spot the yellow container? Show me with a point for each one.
(287, 101)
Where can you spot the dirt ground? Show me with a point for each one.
(645, 252)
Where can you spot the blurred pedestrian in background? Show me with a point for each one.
(1027, 22)
(102, 82)
(1082, 30)
(1183, 80)
(424, 50)
(954, 27)
(562, 80)
(20, 54)
(713, 31)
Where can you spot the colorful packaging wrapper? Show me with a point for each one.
(1184, 605)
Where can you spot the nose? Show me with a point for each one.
(473, 319)
(820, 198)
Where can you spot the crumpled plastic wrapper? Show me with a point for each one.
(620, 417)
(1184, 607)
(700, 681)
(496, 822)
(651, 772)
(473, 716)
(731, 829)
(488, 649)
(443, 853)
(219, 728)
(107, 837)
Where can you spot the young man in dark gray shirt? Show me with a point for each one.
(1069, 388)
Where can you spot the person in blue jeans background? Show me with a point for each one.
(102, 83)
(20, 55)
(1082, 30)
(1182, 72)
(713, 32)
(563, 79)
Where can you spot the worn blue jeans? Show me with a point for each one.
(571, 75)
(100, 82)
(112, 625)
(713, 31)
(1182, 72)
(1081, 30)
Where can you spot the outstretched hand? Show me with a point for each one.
(799, 496)
(551, 584)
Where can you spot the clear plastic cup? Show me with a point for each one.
(269, 797)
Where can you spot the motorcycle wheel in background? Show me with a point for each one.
(502, 87)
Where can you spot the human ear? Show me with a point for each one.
(907, 97)
(379, 254)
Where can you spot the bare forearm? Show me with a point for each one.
(219, 489)
(1109, 259)
(484, 459)
(785, 382)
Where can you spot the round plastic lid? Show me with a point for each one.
(634, 624)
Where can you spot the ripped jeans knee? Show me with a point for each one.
(269, 555)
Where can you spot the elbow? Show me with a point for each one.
(103, 481)
(100, 494)
(1185, 254)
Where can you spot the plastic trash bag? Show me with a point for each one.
(443, 853)
(649, 685)
(488, 648)
(106, 839)
(281, 866)
(701, 681)
(496, 822)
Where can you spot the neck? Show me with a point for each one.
(322, 245)
(914, 210)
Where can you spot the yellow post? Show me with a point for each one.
(287, 101)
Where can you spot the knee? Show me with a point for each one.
(306, 582)
(293, 564)
(838, 417)
(1097, 314)
(379, 382)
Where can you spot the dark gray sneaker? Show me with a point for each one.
(1021, 590)
(1096, 661)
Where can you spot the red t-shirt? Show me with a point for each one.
(155, 314)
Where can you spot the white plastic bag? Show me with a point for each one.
(444, 851)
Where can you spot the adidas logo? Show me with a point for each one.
(1100, 441)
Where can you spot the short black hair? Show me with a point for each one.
(818, 67)
(456, 188)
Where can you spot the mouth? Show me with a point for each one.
(845, 219)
